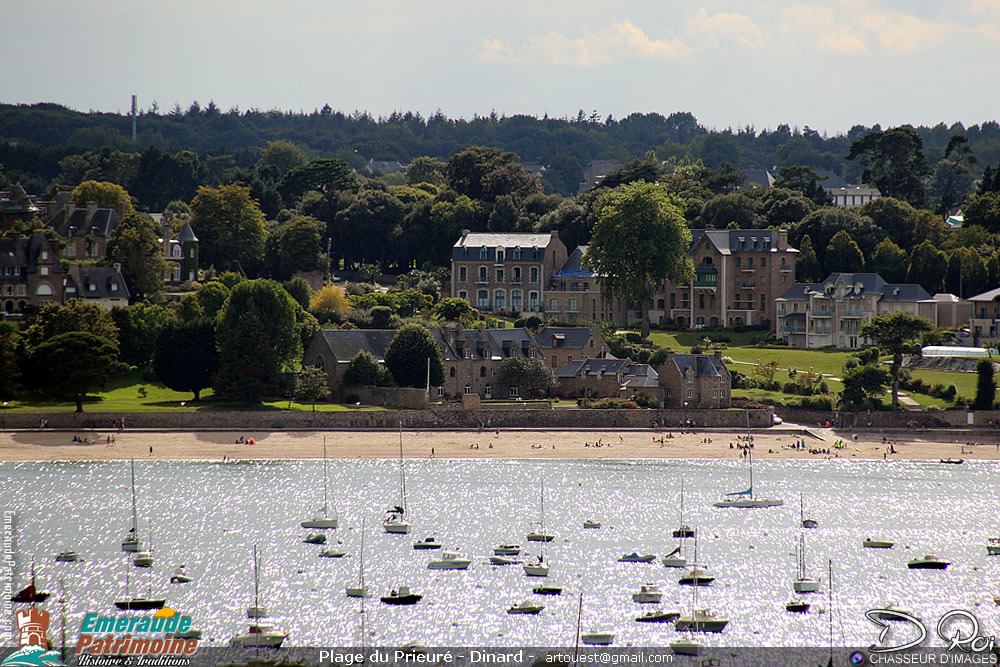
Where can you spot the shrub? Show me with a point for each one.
(852, 362)
(632, 337)
(644, 400)
(817, 403)
(790, 388)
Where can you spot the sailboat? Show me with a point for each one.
(140, 602)
(323, 519)
(540, 535)
(747, 498)
(675, 558)
(144, 558)
(594, 638)
(698, 620)
(395, 518)
(258, 634)
(696, 576)
(806, 523)
(131, 542)
(360, 591)
(804, 584)
(30, 593)
(683, 530)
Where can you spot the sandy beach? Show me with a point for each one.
(39, 445)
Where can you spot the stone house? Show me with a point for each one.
(86, 231)
(181, 255)
(102, 285)
(695, 381)
(30, 273)
(605, 377)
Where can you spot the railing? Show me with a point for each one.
(819, 313)
(706, 283)
(794, 330)
(517, 281)
(852, 313)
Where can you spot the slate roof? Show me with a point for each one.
(344, 344)
(991, 295)
(757, 178)
(729, 241)
(860, 283)
(187, 233)
(642, 374)
(505, 240)
(573, 268)
(96, 282)
(101, 223)
(704, 365)
(562, 337)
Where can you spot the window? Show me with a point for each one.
(468, 389)
(763, 262)
(515, 300)
(489, 391)
(660, 303)
(451, 372)
(43, 270)
(517, 275)
(483, 253)
(463, 295)
(534, 253)
(483, 299)
(463, 274)
(463, 253)
(191, 253)
(737, 262)
(482, 274)
(533, 300)
(701, 303)
(44, 255)
(499, 299)
(43, 290)
(689, 393)
(554, 305)
(739, 282)
(515, 253)
(572, 305)
(514, 392)
(749, 262)
(673, 299)
(71, 249)
(114, 287)
(763, 303)
(534, 274)
(440, 392)
(482, 371)
(782, 262)
(499, 275)
(763, 280)
(499, 258)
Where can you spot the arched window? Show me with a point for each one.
(468, 389)
(482, 371)
(451, 372)
(320, 362)
(44, 290)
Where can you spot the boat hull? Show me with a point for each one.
(692, 625)
(649, 558)
(598, 638)
(805, 586)
(38, 596)
(449, 565)
(357, 592)
(423, 546)
(674, 561)
(401, 600)
(749, 503)
(320, 523)
(504, 560)
(540, 537)
(532, 610)
(397, 528)
(647, 598)
(536, 570)
(797, 607)
(507, 550)
(697, 580)
(683, 532)
(69, 557)
(925, 565)
(547, 590)
(809, 523)
(658, 617)
(877, 544)
(686, 648)
(261, 640)
(181, 579)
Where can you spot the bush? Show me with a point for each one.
(790, 388)
(817, 403)
(614, 403)
(633, 337)
(938, 390)
(852, 362)
(644, 400)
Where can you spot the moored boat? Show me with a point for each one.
(401, 596)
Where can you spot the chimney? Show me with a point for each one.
(465, 232)
(782, 239)
(91, 209)
(117, 266)
(554, 233)
(121, 209)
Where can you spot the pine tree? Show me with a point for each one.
(807, 268)
(843, 254)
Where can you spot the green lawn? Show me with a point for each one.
(123, 395)
(682, 341)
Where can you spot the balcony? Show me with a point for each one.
(706, 280)
(852, 313)
(819, 313)
(794, 330)
(517, 281)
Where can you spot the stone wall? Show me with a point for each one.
(434, 417)
(397, 397)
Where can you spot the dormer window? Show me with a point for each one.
(516, 253)
(114, 287)
(44, 254)
(483, 253)
(499, 255)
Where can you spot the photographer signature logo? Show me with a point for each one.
(32, 646)
(958, 627)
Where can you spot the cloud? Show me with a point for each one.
(622, 41)
(899, 32)
(818, 26)
(723, 27)
(979, 6)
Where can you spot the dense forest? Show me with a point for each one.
(272, 193)
(34, 139)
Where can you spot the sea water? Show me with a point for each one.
(209, 515)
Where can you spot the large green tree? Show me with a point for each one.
(986, 386)
(928, 267)
(75, 363)
(530, 376)
(467, 169)
(139, 326)
(897, 334)
(823, 223)
(864, 387)
(966, 273)
(890, 261)
(843, 254)
(258, 340)
(640, 241)
(807, 267)
(894, 162)
(10, 372)
(364, 369)
(186, 358)
(102, 193)
(323, 176)
(230, 228)
(135, 244)
(74, 315)
(298, 247)
(407, 357)
(895, 217)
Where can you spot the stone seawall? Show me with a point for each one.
(437, 417)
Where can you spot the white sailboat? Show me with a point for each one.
(594, 637)
(131, 542)
(395, 517)
(804, 584)
(683, 530)
(541, 535)
(258, 634)
(145, 558)
(536, 567)
(698, 620)
(324, 519)
(359, 590)
(745, 499)
(675, 558)
(256, 610)
(806, 523)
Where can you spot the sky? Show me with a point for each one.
(732, 63)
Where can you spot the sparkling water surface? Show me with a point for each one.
(208, 516)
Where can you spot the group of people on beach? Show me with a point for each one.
(245, 441)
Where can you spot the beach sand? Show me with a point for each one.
(39, 445)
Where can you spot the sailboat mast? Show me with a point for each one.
(135, 519)
(402, 476)
(543, 508)
(62, 609)
(256, 582)
(579, 621)
(830, 604)
(326, 476)
(362, 567)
